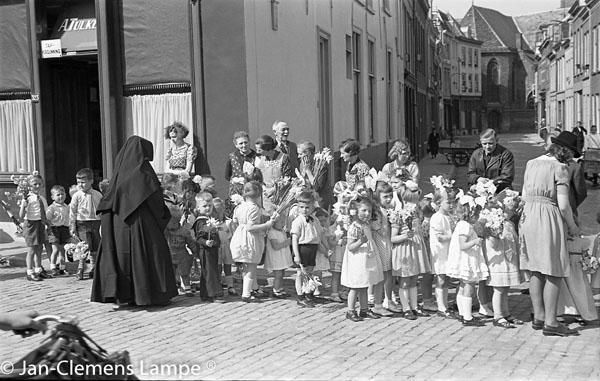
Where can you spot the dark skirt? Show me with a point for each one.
(134, 263)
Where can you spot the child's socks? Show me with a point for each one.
(441, 296)
(413, 297)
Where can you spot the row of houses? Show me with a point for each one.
(77, 77)
(568, 68)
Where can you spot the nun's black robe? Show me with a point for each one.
(134, 263)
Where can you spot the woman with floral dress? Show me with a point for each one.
(180, 155)
(240, 168)
(357, 169)
(273, 166)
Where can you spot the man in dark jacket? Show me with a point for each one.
(491, 161)
(281, 132)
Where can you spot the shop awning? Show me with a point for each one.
(76, 28)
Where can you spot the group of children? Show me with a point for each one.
(55, 225)
(380, 238)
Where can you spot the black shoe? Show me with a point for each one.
(368, 313)
(34, 277)
(79, 274)
(259, 294)
(44, 274)
(420, 313)
(446, 314)
(302, 302)
(409, 315)
(502, 322)
(474, 322)
(560, 330)
(91, 275)
(55, 273)
(352, 315)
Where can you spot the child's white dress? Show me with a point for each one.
(439, 224)
(336, 259)
(280, 259)
(361, 268)
(467, 265)
(503, 258)
(382, 236)
(247, 247)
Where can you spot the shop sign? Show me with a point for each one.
(51, 48)
(74, 24)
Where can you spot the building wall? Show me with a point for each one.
(282, 68)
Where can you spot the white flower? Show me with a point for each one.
(184, 175)
(197, 179)
(480, 200)
(248, 168)
(466, 199)
(436, 181)
(236, 199)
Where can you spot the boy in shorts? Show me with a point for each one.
(57, 216)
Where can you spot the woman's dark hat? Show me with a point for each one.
(568, 140)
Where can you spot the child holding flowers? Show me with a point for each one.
(409, 254)
(341, 216)
(465, 259)
(307, 235)
(502, 254)
(278, 256)
(207, 240)
(33, 210)
(247, 243)
(440, 233)
(384, 304)
(361, 266)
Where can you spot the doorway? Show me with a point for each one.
(324, 104)
(494, 120)
(71, 118)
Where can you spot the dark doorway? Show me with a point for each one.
(71, 118)
(494, 120)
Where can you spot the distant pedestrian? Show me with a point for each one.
(134, 264)
(580, 133)
(433, 143)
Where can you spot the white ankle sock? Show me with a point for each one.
(468, 306)
(439, 297)
(413, 298)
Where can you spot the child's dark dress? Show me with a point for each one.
(210, 283)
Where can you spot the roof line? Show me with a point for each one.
(523, 39)
(492, 29)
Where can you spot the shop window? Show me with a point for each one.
(17, 136)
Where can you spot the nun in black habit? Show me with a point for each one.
(134, 263)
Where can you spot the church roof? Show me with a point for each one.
(529, 24)
(497, 31)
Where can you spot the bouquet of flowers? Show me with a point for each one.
(406, 215)
(319, 170)
(213, 226)
(441, 182)
(285, 197)
(490, 223)
(310, 283)
(589, 263)
(511, 201)
(236, 199)
(79, 251)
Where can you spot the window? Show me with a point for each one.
(464, 83)
(470, 55)
(463, 56)
(348, 56)
(386, 7)
(357, 83)
(388, 92)
(475, 57)
(470, 83)
(493, 78)
(476, 88)
(274, 14)
(372, 90)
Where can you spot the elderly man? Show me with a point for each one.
(492, 161)
(282, 131)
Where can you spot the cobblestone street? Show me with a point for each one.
(278, 340)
